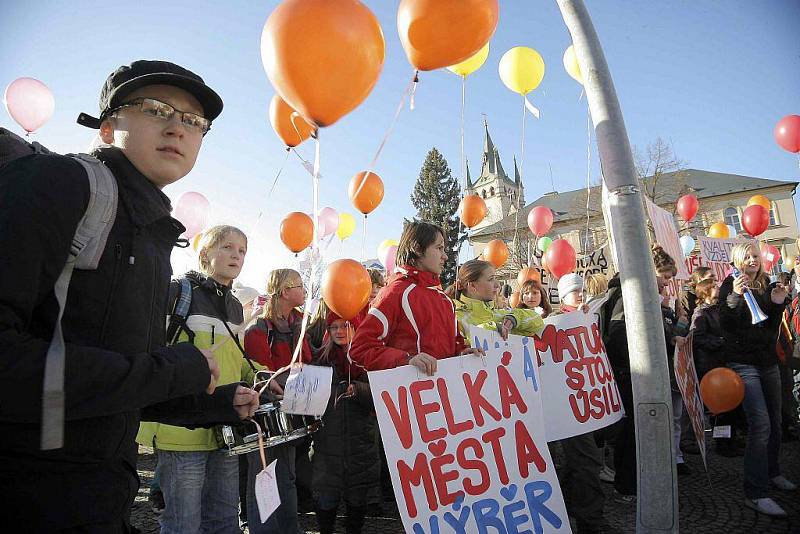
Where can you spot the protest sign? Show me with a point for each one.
(466, 447)
(721, 269)
(580, 393)
(686, 377)
(667, 235)
(307, 390)
(719, 250)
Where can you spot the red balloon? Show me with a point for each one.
(769, 257)
(787, 133)
(755, 219)
(722, 390)
(560, 258)
(540, 220)
(687, 207)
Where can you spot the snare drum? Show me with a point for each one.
(278, 428)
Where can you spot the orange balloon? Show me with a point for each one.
(440, 33)
(366, 197)
(472, 210)
(346, 287)
(761, 200)
(297, 231)
(287, 123)
(719, 231)
(496, 253)
(528, 273)
(722, 390)
(323, 56)
(513, 300)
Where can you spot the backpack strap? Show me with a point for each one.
(177, 319)
(86, 248)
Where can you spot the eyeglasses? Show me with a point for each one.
(292, 287)
(335, 327)
(163, 111)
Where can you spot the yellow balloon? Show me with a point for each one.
(761, 200)
(385, 244)
(719, 231)
(347, 225)
(789, 263)
(522, 69)
(571, 64)
(470, 65)
(196, 241)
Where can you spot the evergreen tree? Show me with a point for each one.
(436, 196)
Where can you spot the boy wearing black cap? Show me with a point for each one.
(153, 116)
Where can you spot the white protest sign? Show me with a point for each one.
(579, 390)
(267, 496)
(466, 447)
(667, 236)
(686, 377)
(718, 250)
(307, 390)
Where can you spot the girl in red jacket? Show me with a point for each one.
(411, 321)
(271, 342)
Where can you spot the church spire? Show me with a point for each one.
(517, 177)
(469, 178)
(489, 151)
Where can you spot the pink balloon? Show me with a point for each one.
(328, 221)
(192, 211)
(388, 259)
(29, 102)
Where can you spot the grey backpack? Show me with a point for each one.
(87, 247)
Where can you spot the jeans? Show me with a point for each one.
(284, 519)
(677, 412)
(762, 407)
(201, 492)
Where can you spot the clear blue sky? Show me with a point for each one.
(712, 77)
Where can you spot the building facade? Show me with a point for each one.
(722, 198)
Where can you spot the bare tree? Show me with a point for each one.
(661, 174)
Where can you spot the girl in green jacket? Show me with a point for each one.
(474, 292)
(200, 481)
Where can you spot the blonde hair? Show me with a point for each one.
(738, 253)
(596, 284)
(211, 239)
(278, 280)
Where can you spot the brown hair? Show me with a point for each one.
(417, 237)
(703, 289)
(698, 274)
(211, 239)
(376, 277)
(278, 280)
(663, 261)
(535, 285)
(468, 273)
(596, 284)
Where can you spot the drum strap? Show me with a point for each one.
(235, 338)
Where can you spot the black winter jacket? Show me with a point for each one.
(707, 341)
(745, 342)
(346, 461)
(117, 368)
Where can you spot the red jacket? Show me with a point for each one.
(272, 347)
(410, 315)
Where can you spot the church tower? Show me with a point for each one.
(494, 186)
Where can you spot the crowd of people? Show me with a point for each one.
(165, 363)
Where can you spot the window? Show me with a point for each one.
(731, 216)
(772, 220)
(491, 191)
(483, 193)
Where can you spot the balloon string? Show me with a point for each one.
(271, 189)
(463, 172)
(588, 186)
(519, 185)
(364, 240)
